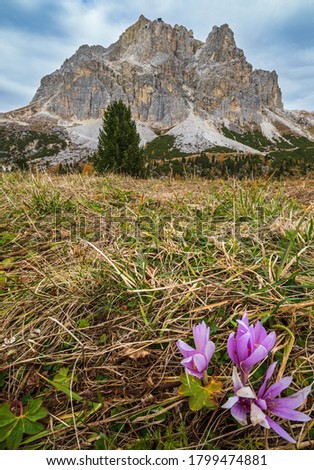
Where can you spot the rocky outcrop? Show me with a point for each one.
(163, 73)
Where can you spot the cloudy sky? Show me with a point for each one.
(36, 36)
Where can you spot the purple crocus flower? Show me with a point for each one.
(250, 345)
(196, 360)
(240, 403)
(266, 402)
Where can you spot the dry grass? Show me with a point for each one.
(101, 276)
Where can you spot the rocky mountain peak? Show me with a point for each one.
(146, 38)
(220, 45)
(166, 76)
(84, 54)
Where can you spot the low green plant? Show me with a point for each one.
(15, 421)
(63, 377)
(200, 395)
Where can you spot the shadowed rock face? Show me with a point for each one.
(163, 73)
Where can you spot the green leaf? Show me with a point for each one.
(103, 339)
(100, 443)
(32, 428)
(62, 377)
(34, 411)
(79, 416)
(13, 427)
(63, 389)
(15, 437)
(39, 414)
(33, 406)
(5, 431)
(83, 323)
(6, 415)
(7, 262)
(200, 395)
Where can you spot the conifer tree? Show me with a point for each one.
(119, 143)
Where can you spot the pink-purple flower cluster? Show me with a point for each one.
(266, 402)
(250, 345)
(196, 359)
(246, 348)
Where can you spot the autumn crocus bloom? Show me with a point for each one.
(196, 359)
(268, 403)
(250, 345)
(245, 402)
(240, 403)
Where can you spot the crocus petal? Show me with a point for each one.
(232, 349)
(239, 413)
(209, 350)
(279, 430)
(230, 402)
(243, 329)
(200, 362)
(252, 343)
(288, 413)
(237, 384)
(188, 362)
(258, 355)
(244, 321)
(185, 349)
(189, 365)
(246, 392)
(193, 372)
(265, 423)
(201, 336)
(295, 400)
(262, 404)
(268, 375)
(257, 416)
(269, 341)
(275, 389)
(242, 347)
(259, 333)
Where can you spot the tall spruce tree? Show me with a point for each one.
(119, 143)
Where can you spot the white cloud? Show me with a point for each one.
(85, 23)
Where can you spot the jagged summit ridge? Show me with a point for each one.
(146, 38)
(162, 72)
(220, 45)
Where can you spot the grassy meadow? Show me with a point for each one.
(99, 278)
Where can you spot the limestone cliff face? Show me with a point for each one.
(163, 73)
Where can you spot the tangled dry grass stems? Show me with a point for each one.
(101, 276)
